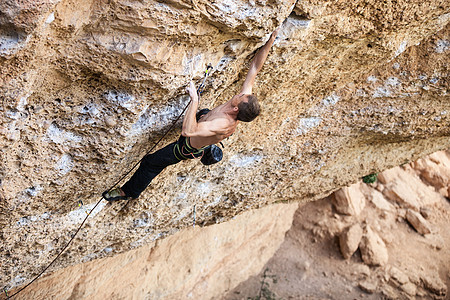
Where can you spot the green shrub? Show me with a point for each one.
(371, 178)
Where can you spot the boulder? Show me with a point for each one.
(435, 170)
(418, 222)
(368, 286)
(397, 277)
(349, 240)
(409, 288)
(378, 200)
(408, 190)
(402, 194)
(388, 176)
(433, 283)
(349, 200)
(373, 249)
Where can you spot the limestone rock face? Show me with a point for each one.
(195, 263)
(87, 87)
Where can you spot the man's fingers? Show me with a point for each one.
(190, 87)
(276, 31)
(192, 91)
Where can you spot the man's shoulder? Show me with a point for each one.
(221, 121)
(217, 117)
(218, 124)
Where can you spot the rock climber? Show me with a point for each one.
(199, 132)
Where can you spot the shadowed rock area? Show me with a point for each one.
(87, 87)
(198, 263)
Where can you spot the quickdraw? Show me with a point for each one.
(202, 85)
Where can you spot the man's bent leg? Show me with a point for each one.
(150, 167)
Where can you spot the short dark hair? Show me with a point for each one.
(249, 109)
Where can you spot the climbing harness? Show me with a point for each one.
(80, 203)
(192, 154)
(208, 155)
(183, 150)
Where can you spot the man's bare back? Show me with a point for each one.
(224, 123)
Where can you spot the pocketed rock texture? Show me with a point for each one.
(87, 87)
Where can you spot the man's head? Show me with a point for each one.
(248, 108)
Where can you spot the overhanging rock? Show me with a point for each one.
(348, 90)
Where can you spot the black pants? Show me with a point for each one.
(153, 164)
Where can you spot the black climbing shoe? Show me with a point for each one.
(114, 195)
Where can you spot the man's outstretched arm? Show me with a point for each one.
(189, 121)
(257, 63)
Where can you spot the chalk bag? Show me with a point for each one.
(212, 155)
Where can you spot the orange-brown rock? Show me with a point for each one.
(418, 222)
(349, 240)
(86, 87)
(195, 263)
(373, 249)
(435, 170)
(349, 200)
(407, 189)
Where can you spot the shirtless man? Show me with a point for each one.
(197, 136)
